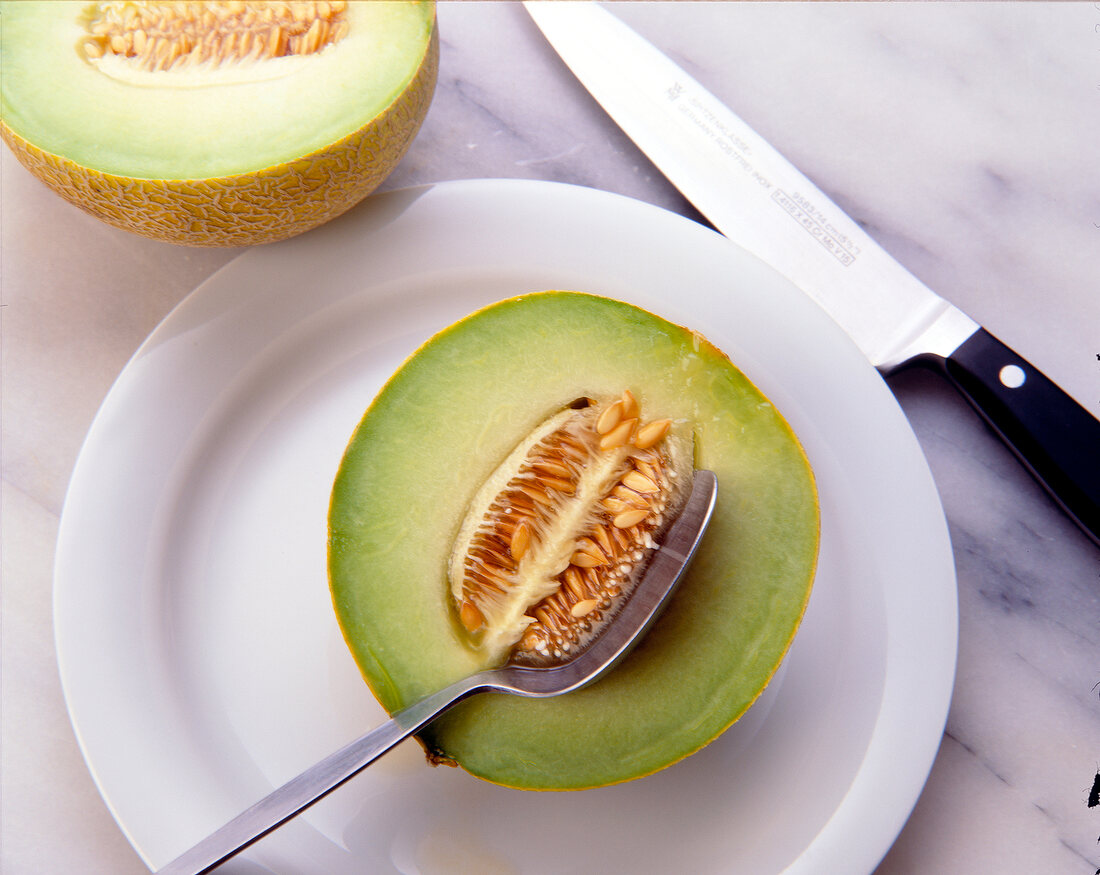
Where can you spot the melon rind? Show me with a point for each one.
(260, 205)
(441, 425)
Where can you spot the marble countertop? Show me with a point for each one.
(962, 136)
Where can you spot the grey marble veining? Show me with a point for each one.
(962, 136)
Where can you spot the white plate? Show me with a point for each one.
(201, 661)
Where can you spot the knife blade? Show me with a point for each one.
(763, 203)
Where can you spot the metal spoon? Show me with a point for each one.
(626, 629)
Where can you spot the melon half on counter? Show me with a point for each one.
(215, 123)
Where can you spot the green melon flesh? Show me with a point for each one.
(441, 425)
(179, 129)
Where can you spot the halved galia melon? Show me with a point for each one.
(493, 400)
(209, 122)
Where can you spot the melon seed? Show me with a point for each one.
(618, 436)
(639, 482)
(610, 418)
(629, 518)
(470, 616)
(630, 405)
(584, 608)
(651, 432)
(521, 539)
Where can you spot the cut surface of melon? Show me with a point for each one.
(265, 133)
(437, 432)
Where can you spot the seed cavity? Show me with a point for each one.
(557, 537)
(128, 38)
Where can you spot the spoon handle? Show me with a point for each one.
(316, 782)
(298, 793)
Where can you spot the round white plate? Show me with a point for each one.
(200, 658)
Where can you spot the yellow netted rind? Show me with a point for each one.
(271, 204)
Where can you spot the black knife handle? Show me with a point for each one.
(1055, 437)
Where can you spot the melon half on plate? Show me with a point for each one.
(215, 122)
(584, 417)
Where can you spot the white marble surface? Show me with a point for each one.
(963, 136)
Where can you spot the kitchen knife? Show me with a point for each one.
(754, 196)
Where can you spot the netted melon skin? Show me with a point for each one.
(246, 209)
